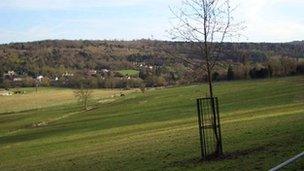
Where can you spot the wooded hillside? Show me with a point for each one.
(52, 58)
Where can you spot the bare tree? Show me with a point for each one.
(83, 95)
(206, 24)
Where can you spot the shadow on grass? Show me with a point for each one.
(194, 162)
(28, 136)
(241, 153)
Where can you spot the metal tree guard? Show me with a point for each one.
(209, 128)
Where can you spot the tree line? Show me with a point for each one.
(159, 63)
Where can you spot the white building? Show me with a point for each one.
(17, 79)
(40, 78)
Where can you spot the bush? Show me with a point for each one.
(45, 82)
(28, 82)
(155, 81)
(215, 76)
(241, 71)
(259, 73)
(230, 73)
(300, 68)
(7, 84)
(142, 88)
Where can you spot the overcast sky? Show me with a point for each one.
(29, 20)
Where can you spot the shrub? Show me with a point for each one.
(300, 68)
(215, 76)
(230, 73)
(155, 81)
(259, 73)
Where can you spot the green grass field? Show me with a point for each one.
(129, 72)
(46, 97)
(262, 126)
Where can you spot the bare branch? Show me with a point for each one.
(207, 24)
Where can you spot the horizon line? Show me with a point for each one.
(147, 39)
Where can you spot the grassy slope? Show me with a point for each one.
(262, 126)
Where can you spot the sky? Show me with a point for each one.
(31, 20)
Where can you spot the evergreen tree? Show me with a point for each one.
(230, 73)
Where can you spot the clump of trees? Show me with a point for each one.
(259, 73)
(167, 76)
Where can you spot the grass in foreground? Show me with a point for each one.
(262, 126)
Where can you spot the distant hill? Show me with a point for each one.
(50, 56)
(297, 42)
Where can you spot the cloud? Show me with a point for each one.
(275, 21)
(270, 21)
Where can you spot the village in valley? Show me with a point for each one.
(13, 79)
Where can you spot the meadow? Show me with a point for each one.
(262, 126)
(129, 72)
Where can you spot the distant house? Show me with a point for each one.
(40, 78)
(105, 70)
(9, 75)
(17, 79)
(56, 79)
